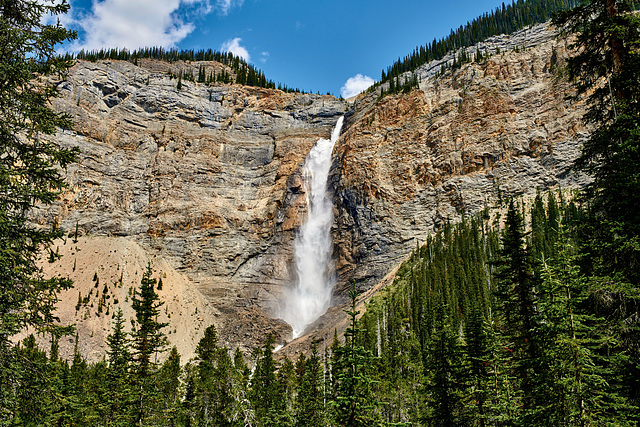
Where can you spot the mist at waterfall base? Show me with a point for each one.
(311, 296)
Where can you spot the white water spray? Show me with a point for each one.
(314, 247)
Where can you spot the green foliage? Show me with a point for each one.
(119, 399)
(482, 326)
(216, 384)
(29, 165)
(606, 69)
(354, 403)
(445, 382)
(265, 394)
(30, 174)
(311, 410)
(169, 409)
(507, 328)
(148, 341)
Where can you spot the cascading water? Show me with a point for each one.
(314, 247)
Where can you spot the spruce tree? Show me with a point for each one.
(169, 409)
(214, 385)
(118, 356)
(283, 407)
(581, 388)
(30, 173)
(445, 371)
(264, 385)
(147, 342)
(517, 298)
(354, 403)
(33, 382)
(606, 68)
(311, 410)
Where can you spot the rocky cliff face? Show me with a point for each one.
(204, 182)
(466, 139)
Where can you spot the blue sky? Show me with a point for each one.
(316, 46)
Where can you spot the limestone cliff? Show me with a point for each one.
(488, 130)
(204, 182)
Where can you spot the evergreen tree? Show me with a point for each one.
(243, 411)
(580, 388)
(264, 385)
(118, 356)
(504, 399)
(148, 342)
(517, 295)
(30, 174)
(169, 404)
(33, 382)
(606, 69)
(446, 382)
(148, 338)
(606, 65)
(215, 382)
(311, 410)
(79, 410)
(477, 350)
(283, 408)
(354, 403)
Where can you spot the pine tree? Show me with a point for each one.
(243, 411)
(354, 403)
(79, 410)
(168, 410)
(118, 356)
(148, 342)
(31, 406)
(477, 350)
(517, 298)
(504, 399)
(446, 382)
(283, 406)
(264, 385)
(30, 174)
(179, 85)
(606, 69)
(214, 386)
(606, 64)
(311, 410)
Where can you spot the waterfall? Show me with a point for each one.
(314, 246)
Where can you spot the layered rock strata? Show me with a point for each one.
(467, 139)
(205, 178)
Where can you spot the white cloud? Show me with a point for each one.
(264, 56)
(224, 6)
(136, 23)
(356, 84)
(234, 47)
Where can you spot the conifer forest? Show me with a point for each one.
(527, 314)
